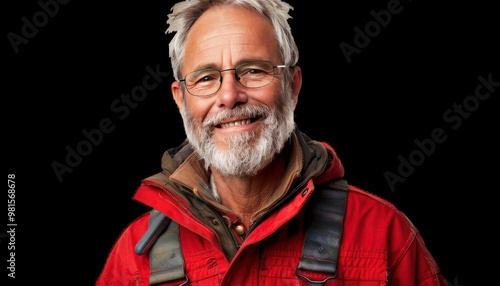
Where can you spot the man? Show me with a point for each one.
(242, 193)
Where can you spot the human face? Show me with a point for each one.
(237, 130)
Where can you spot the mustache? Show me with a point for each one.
(248, 111)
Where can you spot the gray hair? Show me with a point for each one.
(184, 15)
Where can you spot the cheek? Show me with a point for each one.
(199, 107)
(268, 96)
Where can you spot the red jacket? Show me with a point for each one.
(379, 245)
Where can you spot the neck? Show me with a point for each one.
(246, 195)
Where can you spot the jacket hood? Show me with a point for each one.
(321, 162)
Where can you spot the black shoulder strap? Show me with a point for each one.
(322, 239)
(319, 253)
(157, 223)
(165, 254)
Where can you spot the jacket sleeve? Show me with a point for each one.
(416, 264)
(374, 225)
(123, 267)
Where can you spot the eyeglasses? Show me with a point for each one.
(252, 74)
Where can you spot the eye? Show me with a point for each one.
(207, 78)
(255, 69)
(252, 71)
(202, 77)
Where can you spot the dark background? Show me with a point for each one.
(63, 80)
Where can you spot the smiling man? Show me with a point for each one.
(248, 199)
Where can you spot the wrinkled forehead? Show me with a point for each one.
(230, 34)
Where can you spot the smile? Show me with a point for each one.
(234, 123)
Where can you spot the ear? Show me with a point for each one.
(296, 83)
(177, 93)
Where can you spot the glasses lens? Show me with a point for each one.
(255, 74)
(203, 82)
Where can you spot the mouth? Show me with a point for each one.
(238, 122)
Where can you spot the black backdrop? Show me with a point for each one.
(382, 106)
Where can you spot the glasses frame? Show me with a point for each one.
(235, 75)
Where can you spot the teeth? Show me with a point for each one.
(235, 123)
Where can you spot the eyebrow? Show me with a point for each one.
(213, 66)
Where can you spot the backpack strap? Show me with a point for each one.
(165, 254)
(322, 239)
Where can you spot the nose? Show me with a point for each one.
(231, 92)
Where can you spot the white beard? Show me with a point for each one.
(245, 153)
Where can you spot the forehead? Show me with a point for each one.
(228, 35)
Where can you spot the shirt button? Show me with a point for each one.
(240, 230)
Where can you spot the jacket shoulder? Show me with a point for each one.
(368, 200)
